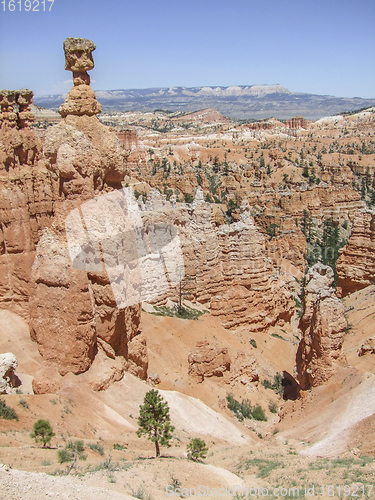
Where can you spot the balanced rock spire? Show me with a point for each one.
(81, 99)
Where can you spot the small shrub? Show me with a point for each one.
(197, 449)
(258, 413)
(273, 407)
(96, 447)
(64, 455)
(244, 409)
(119, 447)
(175, 482)
(267, 384)
(234, 406)
(188, 198)
(22, 402)
(253, 343)
(271, 230)
(42, 432)
(277, 336)
(141, 493)
(72, 452)
(276, 385)
(7, 412)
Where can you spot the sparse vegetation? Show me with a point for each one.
(119, 447)
(72, 452)
(273, 407)
(258, 413)
(271, 230)
(186, 312)
(276, 384)
(96, 447)
(188, 198)
(22, 402)
(244, 409)
(141, 493)
(7, 412)
(264, 466)
(253, 343)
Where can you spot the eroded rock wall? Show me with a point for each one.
(26, 200)
(227, 266)
(323, 327)
(356, 264)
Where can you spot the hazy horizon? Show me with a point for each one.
(65, 92)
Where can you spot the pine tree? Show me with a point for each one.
(197, 449)
(154, 420)
(42, 432)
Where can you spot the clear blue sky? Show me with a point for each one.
(314, 46)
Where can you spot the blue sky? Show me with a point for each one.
(314, 46)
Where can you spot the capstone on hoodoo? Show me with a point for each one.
(81, 99)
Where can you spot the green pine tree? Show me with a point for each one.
(197, 449)
(42, 432)
(154, 420)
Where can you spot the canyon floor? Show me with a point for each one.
(324, 438)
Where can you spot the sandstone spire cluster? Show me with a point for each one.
(15, 108)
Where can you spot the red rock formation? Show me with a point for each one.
(81, 100)
(26, 199)
(261, 125)
(61, 309)
(128, 138)
(73, 313)
(367, 347)
(243, 368)
(356, 264)
(228, 267)
(323, 327)
(208, 361)
(296, 122)
(8, 118)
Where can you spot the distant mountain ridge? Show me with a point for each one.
(236, 101)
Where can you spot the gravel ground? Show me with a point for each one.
(20, 485)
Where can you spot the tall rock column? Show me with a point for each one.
(73, 312)
(26, 199)
(356, 264)
(323, 327)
